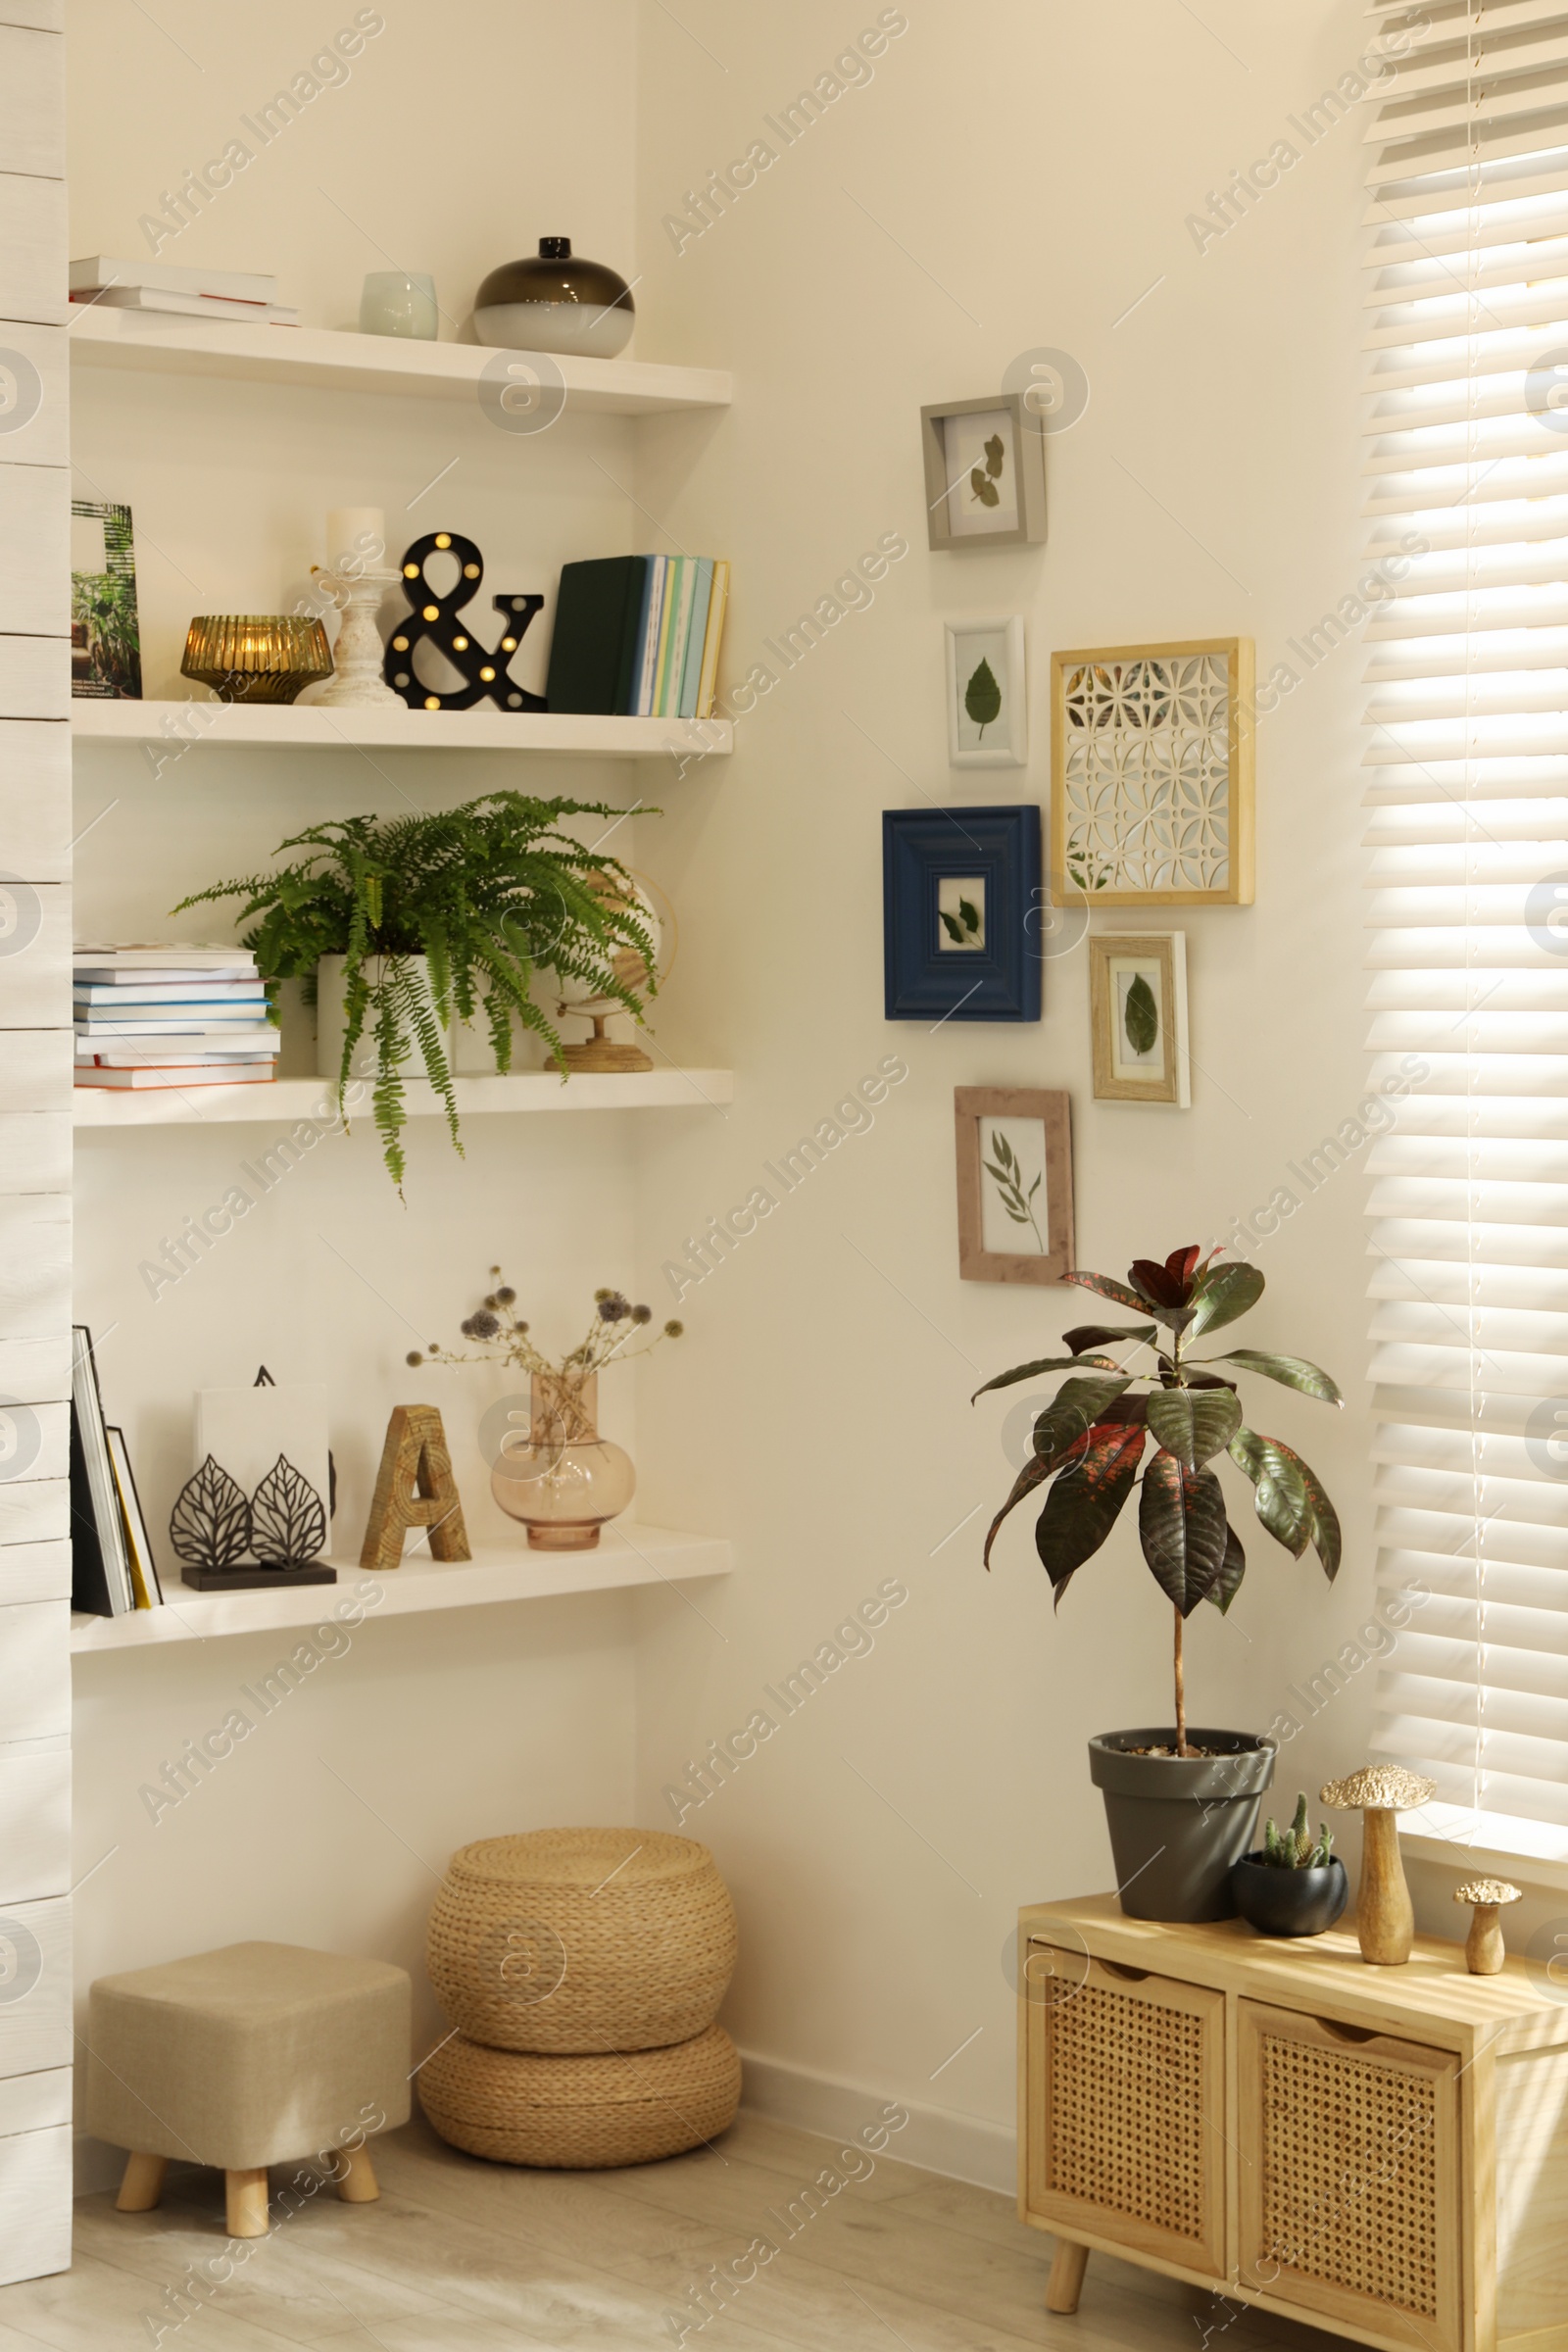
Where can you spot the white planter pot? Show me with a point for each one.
(330, 1021)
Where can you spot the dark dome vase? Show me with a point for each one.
(555, 303)
(1289, 1902)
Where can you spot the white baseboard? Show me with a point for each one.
(963, 2147)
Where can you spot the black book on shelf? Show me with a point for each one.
(100, 1577)
(597, 607)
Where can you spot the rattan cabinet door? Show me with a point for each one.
(1125, 2120)
(1350, 2176)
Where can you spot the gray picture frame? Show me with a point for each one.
(1028, 447)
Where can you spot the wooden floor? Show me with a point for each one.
(462, 2256)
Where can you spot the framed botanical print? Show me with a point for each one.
(1152, 774)
(988, 709)
(1138, 1017)
(960, 913)
(1014, 1147)
(985, 472)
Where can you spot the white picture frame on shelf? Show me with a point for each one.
(986, 666)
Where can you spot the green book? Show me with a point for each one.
(597, 609)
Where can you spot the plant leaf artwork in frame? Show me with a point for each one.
(982, 696)
(962, 913)
(983, 491)
(1013, 1164)
(1140, 1016)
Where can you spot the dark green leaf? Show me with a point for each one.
(1193, 1425)
(951, 925)
(1292, 1371)
(982, 696)
(1283, 1503)
(1140, 1016)
(1096, 1335)
(1045, 1363)
(1224, 1293)
(1090, 1397)
(994, 455)
(1223, 1590)
(1181, 1523)
(1035, 1471)
(1326, 1535)
(1082, 1506)
(969, 917)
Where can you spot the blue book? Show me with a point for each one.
(652, 632)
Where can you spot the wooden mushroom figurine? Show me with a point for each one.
(1384, 1920)
(1485, 1950)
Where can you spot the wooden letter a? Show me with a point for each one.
(414, 1488)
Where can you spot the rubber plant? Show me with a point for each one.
(1091, 1441)
(490, 892)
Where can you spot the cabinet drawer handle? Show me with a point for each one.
(1340, 2033)
(1129, 1976)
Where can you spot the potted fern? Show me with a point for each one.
(398, 928)
(1181, 1803)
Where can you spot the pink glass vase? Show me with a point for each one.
(563, 1481)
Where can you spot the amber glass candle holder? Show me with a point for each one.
(256, 657)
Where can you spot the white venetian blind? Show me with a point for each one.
(1467, 760)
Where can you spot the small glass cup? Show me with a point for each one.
(398, 302)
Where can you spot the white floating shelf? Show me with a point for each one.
(313, 357)
(626, 1555)
(285, 1100)
(178, 727)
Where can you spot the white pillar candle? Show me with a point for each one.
(356, 539)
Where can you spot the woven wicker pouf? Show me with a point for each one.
(575, 1942)
(574, 2113)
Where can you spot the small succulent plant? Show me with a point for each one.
(1295, 1849)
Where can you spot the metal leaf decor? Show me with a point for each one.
(289, 1525)
(210, 1526)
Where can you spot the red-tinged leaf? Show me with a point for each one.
(1180, 1265)
(1223, 1590)
(1103, 1288)
(1158, 1287)
(1033, 1474)
(1181, 1521)
(1082, 1506)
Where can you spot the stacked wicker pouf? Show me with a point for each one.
(584, 1970)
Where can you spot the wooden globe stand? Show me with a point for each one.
(601, 1052)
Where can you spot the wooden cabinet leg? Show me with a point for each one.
(1066, 2279)
(143, 2185)
(245, 2194)
(356, 2183)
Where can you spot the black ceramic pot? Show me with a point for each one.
(1178, 1823)
(1289, 1902)
(555, 303)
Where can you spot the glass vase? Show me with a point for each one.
(563, 1481)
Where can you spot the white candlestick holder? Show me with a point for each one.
(358, 655)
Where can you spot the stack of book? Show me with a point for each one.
(175, 1016)
(111, 1565)
(638, 636)
(108, 284)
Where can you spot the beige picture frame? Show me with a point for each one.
(1129, 1068)
(1044, 1176)
(1130, 798)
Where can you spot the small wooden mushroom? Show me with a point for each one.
(1485, 1950)
(1385, 1918)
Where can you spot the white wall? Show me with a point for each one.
(1013, 178)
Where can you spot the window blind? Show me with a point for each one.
(1468, 789)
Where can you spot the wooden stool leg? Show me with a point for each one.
(1066, 2279)
(245, 2194)
(356, 2183)
(143, 2185)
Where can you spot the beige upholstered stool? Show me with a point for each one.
(246, 2057)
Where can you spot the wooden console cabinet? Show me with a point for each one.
(1382, 2152)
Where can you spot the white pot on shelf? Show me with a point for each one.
(330, 1018)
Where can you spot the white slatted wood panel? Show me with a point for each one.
(35, 834)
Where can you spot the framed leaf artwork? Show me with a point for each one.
(1151, 775)
(985, 472)
(960, 914)
(1014, 1147)
(1138, 1017)
(988, 710)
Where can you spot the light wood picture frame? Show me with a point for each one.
(991, 444)
(988, 693)
(1138, 1017)
(1152, 774)
(1015, 1169)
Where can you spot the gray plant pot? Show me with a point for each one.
(1178, 1823)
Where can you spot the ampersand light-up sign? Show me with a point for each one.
(434, 619)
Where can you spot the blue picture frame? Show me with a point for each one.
(960, 895)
